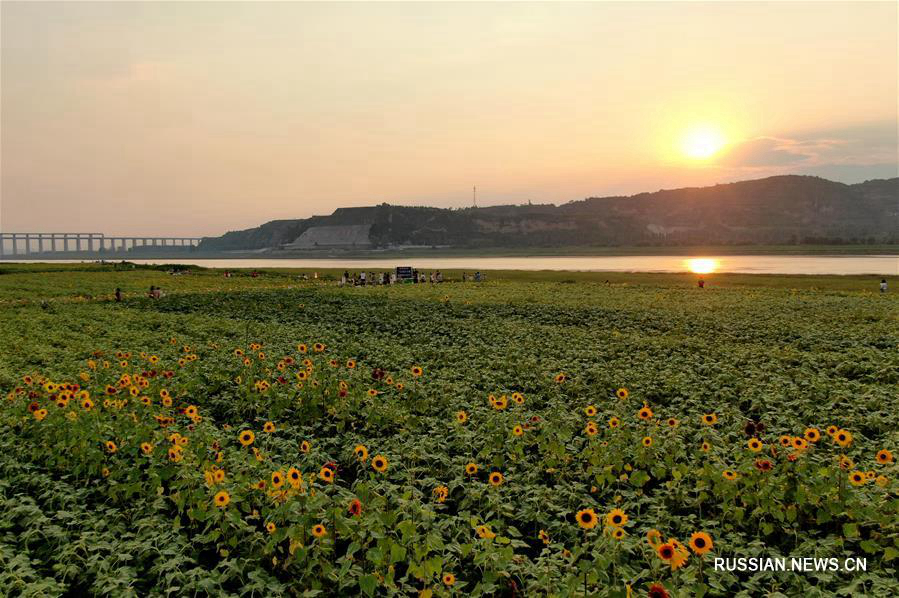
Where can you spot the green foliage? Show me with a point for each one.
(77, 518)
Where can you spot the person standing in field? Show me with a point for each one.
(701, 282)
(118, 295)
(883, 285)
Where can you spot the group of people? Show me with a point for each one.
(384, 278)
(364, 278)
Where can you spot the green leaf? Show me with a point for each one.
(368, 583)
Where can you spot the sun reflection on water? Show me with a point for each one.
(701, 265)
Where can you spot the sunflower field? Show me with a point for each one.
(564, 435)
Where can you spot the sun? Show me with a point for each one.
(702, 141)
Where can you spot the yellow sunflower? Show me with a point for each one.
(701, 543)
(857, 478)
(665, 551)
(616, 518)
(326, 474)
(586, 518)
(379, 463)
(843, 438)
(222, 498)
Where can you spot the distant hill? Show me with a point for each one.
(775, 210)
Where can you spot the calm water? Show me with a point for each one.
(748, 264)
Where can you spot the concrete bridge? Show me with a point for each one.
(17, 244)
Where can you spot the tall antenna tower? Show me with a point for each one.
(474, 196)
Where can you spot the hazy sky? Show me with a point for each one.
(199, 117)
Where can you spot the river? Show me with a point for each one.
(883, 265)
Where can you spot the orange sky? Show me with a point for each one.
(196, 118)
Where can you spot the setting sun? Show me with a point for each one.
(701, 265)
(702, 142)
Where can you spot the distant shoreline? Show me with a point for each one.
(445, 252)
